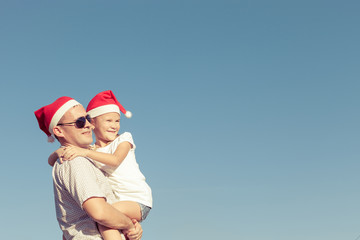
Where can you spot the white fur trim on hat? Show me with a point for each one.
(60, 112)
(128, 114)
(103, 109)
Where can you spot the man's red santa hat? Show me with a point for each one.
(105, 102)
(49, 116)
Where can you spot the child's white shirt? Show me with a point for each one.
(127, 181)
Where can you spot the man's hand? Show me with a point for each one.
(134, 233)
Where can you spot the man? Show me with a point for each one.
(83, 196)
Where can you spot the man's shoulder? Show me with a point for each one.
(80, 162)
(76, 163)
(79, 166)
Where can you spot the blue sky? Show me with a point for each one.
(245, 113)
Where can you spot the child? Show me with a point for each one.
(115, 155)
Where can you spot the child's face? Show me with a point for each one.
(106, 126)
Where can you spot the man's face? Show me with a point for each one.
(81, 137)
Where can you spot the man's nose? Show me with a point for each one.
(89, 125)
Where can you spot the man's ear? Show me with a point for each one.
(58, 132)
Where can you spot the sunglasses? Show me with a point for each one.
(79, 123)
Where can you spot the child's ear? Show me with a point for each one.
(58, 132)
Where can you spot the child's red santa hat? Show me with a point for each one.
(49, 116)
(105, 102)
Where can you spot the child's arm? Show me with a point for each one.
(112, 160)
(54, 156)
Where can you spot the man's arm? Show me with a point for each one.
(105, 214)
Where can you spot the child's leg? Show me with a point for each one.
(109, 234)
(130, 209)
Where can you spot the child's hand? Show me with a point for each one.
(60, 153)
(71, 151)
(55, 156)
(134, 233)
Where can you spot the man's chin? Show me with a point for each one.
(87, 142)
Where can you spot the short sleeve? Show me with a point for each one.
(81, 179)
(126, 137)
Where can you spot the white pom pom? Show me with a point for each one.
(128, 114)
(51, 139)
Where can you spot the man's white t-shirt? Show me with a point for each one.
(127, 181)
